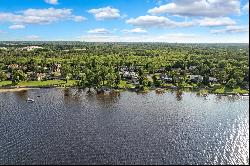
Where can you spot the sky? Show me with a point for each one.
(181, 21)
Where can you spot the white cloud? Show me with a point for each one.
(207, 8)
(52, 2)
(136, 30)
(39, 16)
(232, 29)
(100, 38)
(79, 18)
(164, 22)
(246, 7)
(156, 21)
(105, 13)
(32, 37)
(99, 31)
(220, 21)
(16, 27)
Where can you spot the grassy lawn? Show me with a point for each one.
(41, 83)
(5, 83)
(124, 84)
(168, 84)
(229, 90)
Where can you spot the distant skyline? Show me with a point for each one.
(181, 21)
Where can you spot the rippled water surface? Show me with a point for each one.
(69, 127)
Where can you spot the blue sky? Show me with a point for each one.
(183, 21)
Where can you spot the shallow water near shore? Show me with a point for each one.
(66, 126)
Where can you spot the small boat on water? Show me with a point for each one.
(29, 100)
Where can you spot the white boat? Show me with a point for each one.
(29, 100)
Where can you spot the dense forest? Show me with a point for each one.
(127, 65)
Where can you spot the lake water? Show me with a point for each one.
(70, 127)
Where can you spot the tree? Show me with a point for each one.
(17, 76)
(65, 71)
(231, 83)
(3, 76)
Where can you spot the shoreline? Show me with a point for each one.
(157, 90)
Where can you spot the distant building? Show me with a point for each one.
(31, 48)
(160, 70)
(196, 78)
(212, 79)
(166, 78)
(13, 66)
(129, 75)
(40, 76)
(56, 68)
(192, 67)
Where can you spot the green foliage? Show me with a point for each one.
(94, 65)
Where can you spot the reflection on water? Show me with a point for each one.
(108, 98)
(21, 95)
(179, 95)
(69, 126)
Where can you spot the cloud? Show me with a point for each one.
(79, 18)
(100, 38)
(99, 31)
(246, 7)
(232, 29)
(52, 2)
(105, 13)
(164, 22)
(32, 37)
(39, 16)
(220, 21)
(207, 8)
(16, 27)
(136, 30)
(156, 21)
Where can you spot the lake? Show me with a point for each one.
(70, 127)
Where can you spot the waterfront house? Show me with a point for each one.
(213, 79)
(9, 76)
(192, 68)
(166, 78)
(56, 68)
(13, 66)
(196, 78)
(40, 76)
(161, 70)
(135, 81)
(129, 75)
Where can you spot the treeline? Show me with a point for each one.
(99, 64)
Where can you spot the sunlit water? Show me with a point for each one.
(70, 127)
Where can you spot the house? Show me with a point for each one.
(160, 70)
(196, 78)
(123, 69)
(165, 78)
(13, 66)
(9, 76)
(30, 75)
(212, 79)
(40, 76)
(130, 75)
(31, 48)
(135, 81)
(56, 68)
(192, 67)
(176, 69)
